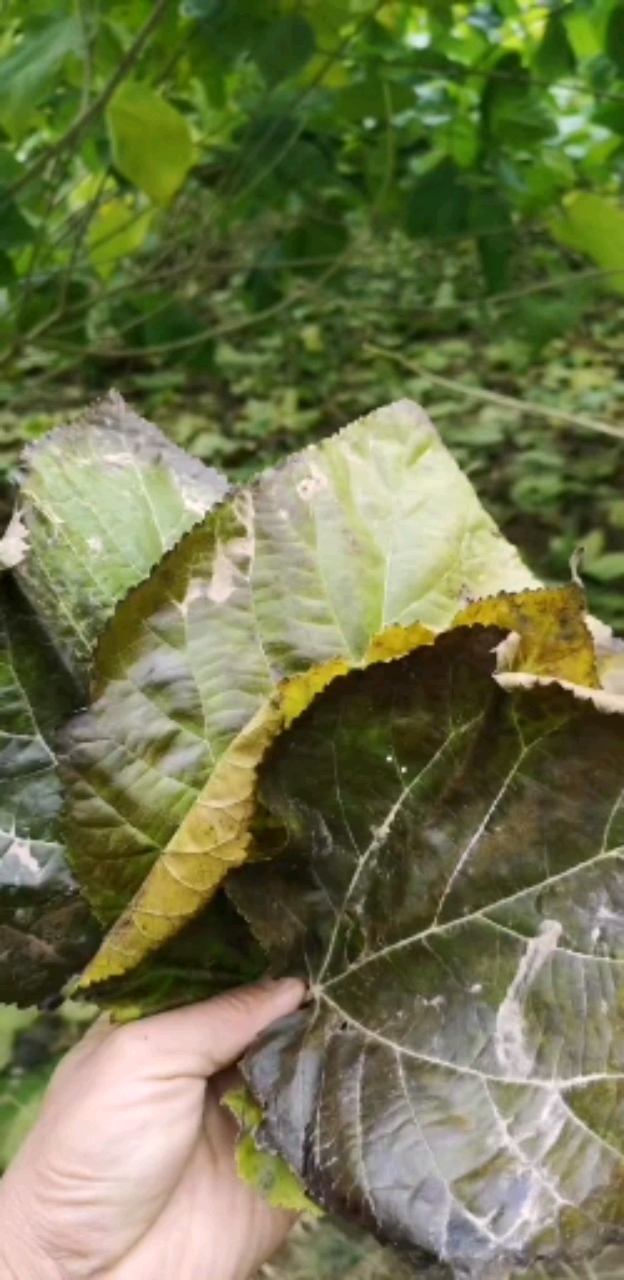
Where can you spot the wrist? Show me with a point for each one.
(20, 1254)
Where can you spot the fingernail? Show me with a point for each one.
(285, 987)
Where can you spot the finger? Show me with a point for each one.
(205, 1038)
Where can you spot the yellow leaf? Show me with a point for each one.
(212, 839)
(396, 641)
(554, 639)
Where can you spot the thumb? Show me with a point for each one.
(204, 1038)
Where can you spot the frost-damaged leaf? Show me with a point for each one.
(374, 527)
(453, 887)
(46, 930)
(101, 501)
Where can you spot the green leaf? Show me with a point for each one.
(315, 239)
(102, 500)
(614, 37)
(15, 229)
(8, 275)
(116, 231)
(608, 567)
(151, 142)
(489, 218)
(265, 1172)
(303, 569)
(450, 885)
(513, 111)
(25, 75)
(594, 225)
(46, 931)
(213, 953)
(611, 115)
(10, 167)
(555, 57)
(285, 47)
(438, 202)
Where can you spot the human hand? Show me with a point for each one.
(129, 1173)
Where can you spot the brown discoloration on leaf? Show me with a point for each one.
(554, 639)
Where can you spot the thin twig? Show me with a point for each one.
(494, 397)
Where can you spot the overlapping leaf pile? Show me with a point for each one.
(331, 724)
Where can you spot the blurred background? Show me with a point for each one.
(259, 219)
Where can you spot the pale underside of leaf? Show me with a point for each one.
(374, 528)
(453, 890)
(609, 656)
(101, 501)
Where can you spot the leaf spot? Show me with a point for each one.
(312, 485)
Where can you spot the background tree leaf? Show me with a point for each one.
(305, 567)
(489, 219)
(102, 500)
(452, 889)
(555, 57)
(286, 46)
(25, 74)
(614, 37)
(46, 930)
(593, 224)
(151, 141)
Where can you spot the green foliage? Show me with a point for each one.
(297, 571)
(555, 58)
(285, 129)
(614, 37)
(151, 142)
(594, 225)
(27, 75)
